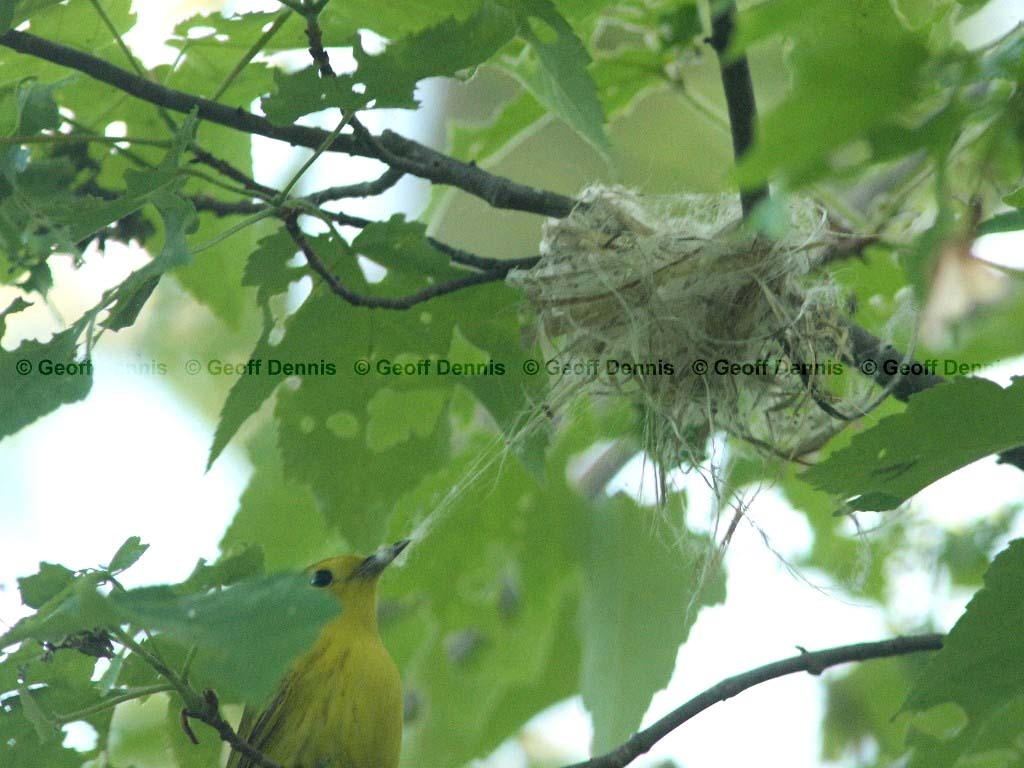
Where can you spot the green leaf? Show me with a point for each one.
(389, 79)
(36, 378)
(51, 580)
(329, 412)
(860, 709)
(247, 394)
(1012, 221)
(245, 636)
(1016, 198)
(630, 576)
(130, 301)
(397, 244)
(557, 74)
(266, 498)
(844, 83)
(232, 567)
(476, 142)
(971, 670)
(45, 728)
(887, 464)
(127, 554)
(496, 581)
(76, 608)
(392, 20)
(267, 267)
(681, 24)
(443, 50)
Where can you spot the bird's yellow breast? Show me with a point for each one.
(343, 707)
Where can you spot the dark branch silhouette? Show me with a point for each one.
(405, 154)
(814, 662)
(739, 97)
(387, 302)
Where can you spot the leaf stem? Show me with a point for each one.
(95, 709)
(250, 54)
(108, 22)
(246, 222)
(324, 145)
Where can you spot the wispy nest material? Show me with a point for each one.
(632, 291)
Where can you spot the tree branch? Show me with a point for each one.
(814, 662)
(408, 155)
(384, 182)
(739, 97)
(387, 302)
(210, 714)
(226, 169)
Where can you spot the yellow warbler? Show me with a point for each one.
(340, 705)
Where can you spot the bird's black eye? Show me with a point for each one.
(322, 578)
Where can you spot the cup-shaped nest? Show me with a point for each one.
(671, 299)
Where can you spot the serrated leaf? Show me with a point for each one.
(631, 575)
(29, 386)
(130, 302)
(127, 554)
(557, 74)
(397, 244)
(267, 267)
(443, 50)
(245, 636)
(389, 78)
(51, 580)
(887, 464)
(77, 608)
(232, 567)
(971, 670)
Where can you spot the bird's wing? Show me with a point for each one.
(257, 731)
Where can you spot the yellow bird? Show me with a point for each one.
(340, 705)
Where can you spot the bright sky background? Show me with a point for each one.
(129, 460)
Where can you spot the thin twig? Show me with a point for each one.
(210, 714)
(384, 302)
(467, 259)
(225, 168)
(814, 662)
(414, 158)
(78, 138)
(315, 37)
(382, 183)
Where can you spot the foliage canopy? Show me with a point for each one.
(385, 380)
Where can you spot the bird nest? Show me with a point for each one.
(707, 324)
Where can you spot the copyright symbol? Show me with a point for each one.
(868, 367)
(192, 367)
(362, 367)
(531, 367)
(699, 366)
(24, 367)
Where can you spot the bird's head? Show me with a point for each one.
(353, 579)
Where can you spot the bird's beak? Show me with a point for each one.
(372, 566)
